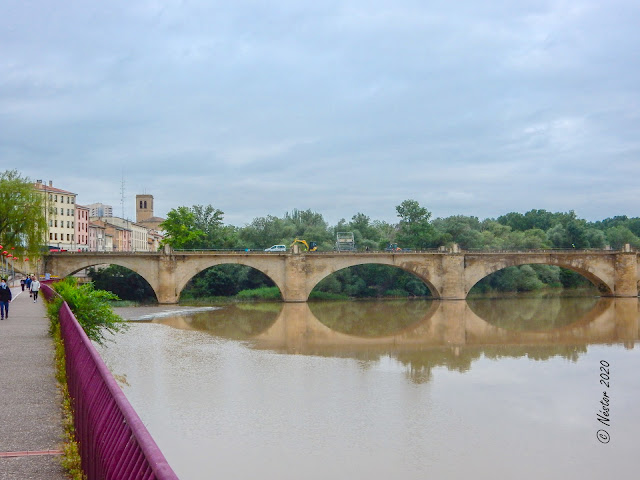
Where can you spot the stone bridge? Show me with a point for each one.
(449, 276)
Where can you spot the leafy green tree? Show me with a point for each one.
(181, 230)
(414, 229)
(620, 235)
(596, 238)
(463, 230)
(577, 234)
(558, 236)
(198, 227)
(22, 216)
(263, 232)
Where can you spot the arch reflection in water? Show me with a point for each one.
(423, 335)
(235, 322)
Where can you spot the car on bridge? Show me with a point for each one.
(276, 248)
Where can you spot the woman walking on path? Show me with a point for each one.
(5, 298)
(34, 288)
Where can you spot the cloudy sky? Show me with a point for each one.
(339, 106)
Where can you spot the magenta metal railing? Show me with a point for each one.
(113, 441)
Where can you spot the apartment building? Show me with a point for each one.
(121, 237)
(98, 238)
(139, 235)
(60, 214)
(82, 228)
(100, 210)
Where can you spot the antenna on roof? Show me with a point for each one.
(122, 194)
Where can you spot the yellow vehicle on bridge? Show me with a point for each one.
(311, 246)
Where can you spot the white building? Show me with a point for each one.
(60, 213)
(100, 210)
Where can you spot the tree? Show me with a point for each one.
(197, 227)
(180, 228)
(415, 231)
(22, 217)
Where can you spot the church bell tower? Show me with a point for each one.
(144, 207)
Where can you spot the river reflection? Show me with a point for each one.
(423, 334)
(378, 390)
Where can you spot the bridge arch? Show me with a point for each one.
(200, 265)
(317, 276)
(601, 276)
(121, 262)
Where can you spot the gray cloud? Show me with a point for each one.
(341, 107)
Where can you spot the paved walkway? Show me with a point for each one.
(30, 412)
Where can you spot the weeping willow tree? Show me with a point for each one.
(22, 217)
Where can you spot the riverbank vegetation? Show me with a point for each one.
(90, 306)
(202, 228)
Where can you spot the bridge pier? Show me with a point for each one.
(626, 275)
(294, 289)
(452, 286)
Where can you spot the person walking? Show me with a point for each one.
(35, 288)
(22, 284)
(27, 283)
(5, 298)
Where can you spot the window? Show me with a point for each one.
(55, 223)
(55, 236)
(67, 237)
(56, 198)
(68, 223)
(68, 199)
(51, 223)
(145, 204)
(72, 225)
(72, 237)
(51, 236)
(140, 203)
(50, 197)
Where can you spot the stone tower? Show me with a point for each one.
(144, 207)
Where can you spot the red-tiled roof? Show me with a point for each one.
(48, 189)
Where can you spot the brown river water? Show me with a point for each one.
(496, 389)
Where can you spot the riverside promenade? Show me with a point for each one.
(31, 430)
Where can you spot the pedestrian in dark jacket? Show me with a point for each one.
(5, 298)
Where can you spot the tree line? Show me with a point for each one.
(201, 227)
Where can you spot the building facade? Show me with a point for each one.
(82, 228)
(139, 235)
(60, 214)
(100, 210)
(144, 213)
(97, 238)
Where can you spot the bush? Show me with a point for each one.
(396, 293)
(90, 307)
(264, 293)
